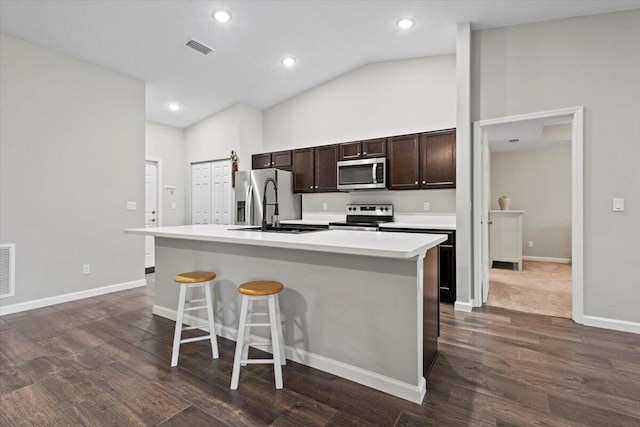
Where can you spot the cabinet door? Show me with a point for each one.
(374, 148)
(261, 161)
(326, 168)
(281, 160)
(438, 159)
(303, 176)
(350, 150)
(403, 162)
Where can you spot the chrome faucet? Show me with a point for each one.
(276, 222)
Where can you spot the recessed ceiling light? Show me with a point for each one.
(174, 107)
(289, 61)
(405, 23)
(222, 16)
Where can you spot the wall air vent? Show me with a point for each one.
(199, 47)
(7, 270)
(514, 140)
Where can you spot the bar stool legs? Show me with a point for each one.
(194, 280)
(252, 291)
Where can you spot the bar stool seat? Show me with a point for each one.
(255, 291)
(194, 279)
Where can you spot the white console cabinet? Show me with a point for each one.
(505, 237)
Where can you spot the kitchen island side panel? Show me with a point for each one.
(358, 310)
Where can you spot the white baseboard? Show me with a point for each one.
(616, 325)
(463, 306)
(547, 259)
(73, 296)
(371, 379)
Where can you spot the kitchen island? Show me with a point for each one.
(361, 305)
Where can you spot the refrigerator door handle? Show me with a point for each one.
(250, 204)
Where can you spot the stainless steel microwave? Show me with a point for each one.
(363, 174)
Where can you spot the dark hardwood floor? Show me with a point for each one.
(105, 361)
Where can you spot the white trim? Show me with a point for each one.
(616, 325)
(467, 307)
(413, 393)
(577, 218)
(546, 259)
(73, 296)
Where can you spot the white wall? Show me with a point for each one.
(167, 143)
(71, 156)
(237, 128)
(539, 183)
(380, 99)
(593, 62)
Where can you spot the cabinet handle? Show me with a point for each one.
(267, 165)
(424, 182)
(311, 187)
(359, 154)
(364, 154)
(416, 182)
(316, 186)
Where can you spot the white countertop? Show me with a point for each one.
(378, 244)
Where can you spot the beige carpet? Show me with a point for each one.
(541, 288)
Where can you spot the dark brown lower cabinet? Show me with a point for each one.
(446, 261)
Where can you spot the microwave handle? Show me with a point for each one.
(373, 173)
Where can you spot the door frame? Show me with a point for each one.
(159, 188)
(480, 204)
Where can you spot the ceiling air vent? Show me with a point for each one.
(199, 47)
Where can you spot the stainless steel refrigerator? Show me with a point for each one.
(250, 189)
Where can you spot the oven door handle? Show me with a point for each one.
(373, 173)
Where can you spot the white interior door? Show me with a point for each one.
(150, 210)
(201, 193)
(222, 196)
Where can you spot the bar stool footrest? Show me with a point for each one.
(258, 324)
(258, 361)
(189, 328)
(200, 307)
(204, 337)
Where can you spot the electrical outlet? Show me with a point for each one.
(426, 206)
(324, 206)
(131, 206)
(173, 206)
(86, 268)
(530, 243)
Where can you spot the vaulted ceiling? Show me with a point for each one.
(146, 40)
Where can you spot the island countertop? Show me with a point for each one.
(377, 244)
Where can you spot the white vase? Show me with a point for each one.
(504, 203)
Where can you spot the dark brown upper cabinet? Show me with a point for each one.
(425, 160)
(326, 172)
(261, 161)
(303, 170)
(438, 159)
(279, 159)
(404, 165)
(363, 149)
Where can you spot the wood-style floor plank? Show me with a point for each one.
(105, 361)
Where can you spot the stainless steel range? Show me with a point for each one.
(364, 217)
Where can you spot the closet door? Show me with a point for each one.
(201, 193)
(222, 196)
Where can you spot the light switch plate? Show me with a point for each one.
(131, 206)
(173, 206)
(426, 206)
(324, 206)
(618, 205)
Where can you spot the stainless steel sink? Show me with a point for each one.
(286, 229)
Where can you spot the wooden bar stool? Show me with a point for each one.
(252, 291)
(194, 279)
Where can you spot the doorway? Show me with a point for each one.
(152, 204)
(483, 199)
